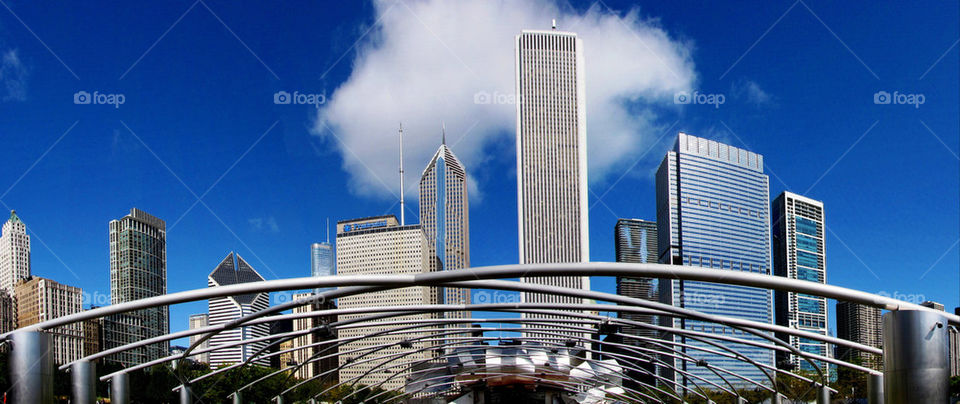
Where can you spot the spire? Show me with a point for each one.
(14, 217)
(328, 230)
(443, 130)
(402, 212)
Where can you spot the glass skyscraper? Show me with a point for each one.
(636, 242)
(322, 262)
(798, 253)
(713, 212)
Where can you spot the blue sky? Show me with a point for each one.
(198, 119)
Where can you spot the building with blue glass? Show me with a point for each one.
(322, 261)
(713, 212)
(798, 253)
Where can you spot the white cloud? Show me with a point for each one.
(13, 77)
(750, 91)
(427, 59)
(268, 224)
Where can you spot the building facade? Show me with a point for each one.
(552, 211)
(41, 299)
(713, 212)
(231, 271)
(198, 321)
(322, 261)
(316, 358)
(14, 253)
(636, 242)
(381, 246)
(138, 270)
(861, 324)
(799, 242)
(445, 219)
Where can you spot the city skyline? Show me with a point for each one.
(859, 257)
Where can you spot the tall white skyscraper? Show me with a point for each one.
(373, 246)
(799, 243)
(445, 218)
(14, 253)
(551, 156)
(226, 309)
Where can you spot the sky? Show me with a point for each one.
(855, 105)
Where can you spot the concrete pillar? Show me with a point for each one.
(120, 389)
(875, 389)
(915, 357)
(31, 368)
(83, 381)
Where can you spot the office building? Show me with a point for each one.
(41, 299)
(138, 270)
(799, 252)
(636, 242)
(861, 324)
(445, 219)
(14, 253)
(933, 305)
(551, 157)
(713, 213)
(322, 261)
(316, 358)
(381, 246)
(234, 270)
(198, 321)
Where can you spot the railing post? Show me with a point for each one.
(31, 368)
(186, 396)
(875, 389)
(120, 389)
(237, 397)
(915, 357)
(83, 380)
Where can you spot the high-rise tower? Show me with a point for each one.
(551, 156)
(138, 270)
(636, 242)
(445, 219)
(226, 309)
(14, 253)
(713, 212)
(799, 252)
(322, 261)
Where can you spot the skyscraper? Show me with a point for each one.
(551, 156)
(636, 242)
(41, 299)
(14, 253)
(317, 358)
(374, 246)
(138, 270)
(198, 321)
(322, 261)
(445, 218)
(799, 253)
(861, 324)
(223, 310)
(713, 212)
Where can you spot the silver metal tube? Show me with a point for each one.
(874, 389)
(823, 394)
(237, 397)
(31, 368)
(120, 389)
(186, 395)
(915, 361)
(83, 380)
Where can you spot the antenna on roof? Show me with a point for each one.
(554, 24)
(443, 130)
(328, 230)
(402, 216)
